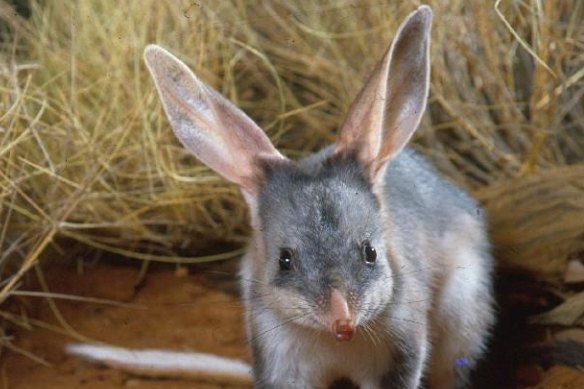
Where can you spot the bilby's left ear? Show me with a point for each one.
(212, 128)
(389, 108)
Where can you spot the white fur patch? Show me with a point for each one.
(162, 363)
(301, 357)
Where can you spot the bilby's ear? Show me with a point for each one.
(212, 128)
(388, 109)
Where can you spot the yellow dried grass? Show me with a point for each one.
(86, 154)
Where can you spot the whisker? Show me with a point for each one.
(276, 327)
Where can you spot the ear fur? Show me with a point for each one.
(207, 124)
(389, 108)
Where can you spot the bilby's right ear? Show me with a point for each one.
(389, 108)
(207, 124)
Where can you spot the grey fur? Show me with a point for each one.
(291, 205)
(423, 309)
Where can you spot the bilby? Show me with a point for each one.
(364, 265)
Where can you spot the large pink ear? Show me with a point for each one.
(388, 109)
(212, 128)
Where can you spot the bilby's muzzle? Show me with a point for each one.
(340, 317)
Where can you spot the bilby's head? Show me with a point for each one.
(324, 260)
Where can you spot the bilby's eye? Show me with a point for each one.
(368, 252)
(285, 259)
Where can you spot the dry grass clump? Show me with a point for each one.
(87, 156)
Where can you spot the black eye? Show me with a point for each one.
(369, 252)
(285, 259)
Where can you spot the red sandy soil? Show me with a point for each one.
(196, 311)
(181, 314)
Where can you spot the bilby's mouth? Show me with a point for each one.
(343, 330)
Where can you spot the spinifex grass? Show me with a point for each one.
(87, 155)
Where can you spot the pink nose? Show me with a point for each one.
(340, 317)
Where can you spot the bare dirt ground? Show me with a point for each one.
(188, 310)
(181, 313)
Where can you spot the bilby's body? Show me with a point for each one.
(435, 289)
(364, 265)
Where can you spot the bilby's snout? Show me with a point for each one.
(339, 318)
